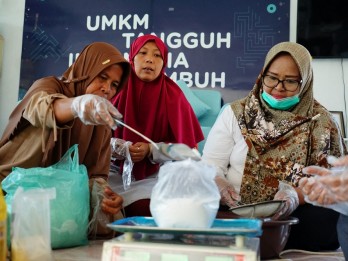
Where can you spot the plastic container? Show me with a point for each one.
(275, 234)
(274, 237)
(3, 227)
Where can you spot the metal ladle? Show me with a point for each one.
(119, 122)
(174, 151)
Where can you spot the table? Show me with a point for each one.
(91, 252)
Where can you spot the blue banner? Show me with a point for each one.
(212, 44)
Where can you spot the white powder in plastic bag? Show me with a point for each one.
(185, 195)
(183, 213)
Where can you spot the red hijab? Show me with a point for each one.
(157, 109)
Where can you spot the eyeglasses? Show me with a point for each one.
(288, 84)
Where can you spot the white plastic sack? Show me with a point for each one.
(185, 196)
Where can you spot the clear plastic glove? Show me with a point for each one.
(313, 190)
(328, 186)
(288, 193)
(337, 182)
(119, 148)
(95, 110)
(229, 196)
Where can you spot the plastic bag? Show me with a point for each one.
(31, 225)
(185, 196)
(128, 164)
(70, 209)
(98, 222)
(120, 151)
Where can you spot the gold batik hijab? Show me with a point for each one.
(281, 143)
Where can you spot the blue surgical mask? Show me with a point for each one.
(281, 104)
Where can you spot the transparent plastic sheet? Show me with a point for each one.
(185, 195)
(31, 237)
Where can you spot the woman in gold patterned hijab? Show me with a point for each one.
(260, 144)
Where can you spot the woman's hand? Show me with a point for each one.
(118, 148)
(288, 193)
(89, 108)
(139, 151)
(327, 186)
(112, 202)
(228, 194)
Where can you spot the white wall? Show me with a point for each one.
(11, 28)
(330, 75)
(330, 80)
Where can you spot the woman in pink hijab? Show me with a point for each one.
(154, 105)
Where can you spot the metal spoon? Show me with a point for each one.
(175, 151)
(119, 122)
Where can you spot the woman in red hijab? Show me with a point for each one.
(154, 105)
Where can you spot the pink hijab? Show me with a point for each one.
(157, 109)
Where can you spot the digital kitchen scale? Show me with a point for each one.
(226, 240)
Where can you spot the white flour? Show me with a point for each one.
(182, 213)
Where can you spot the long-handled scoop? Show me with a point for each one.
(119, 122)
(176, 151)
